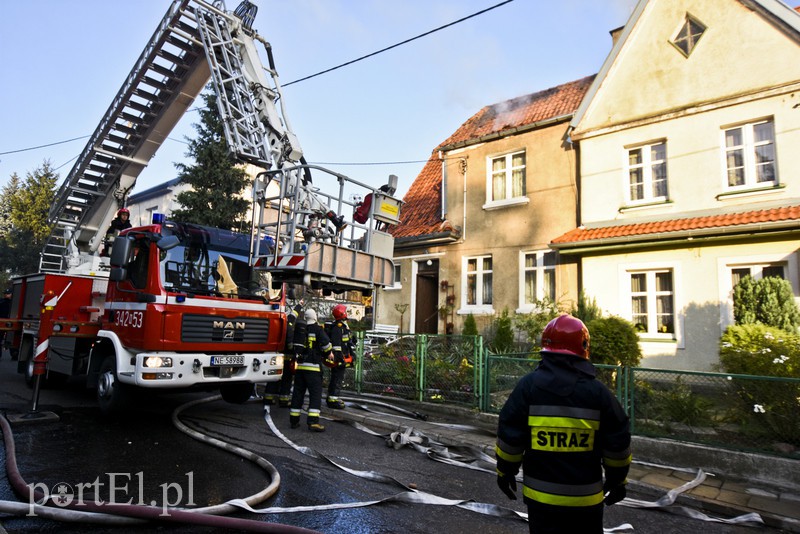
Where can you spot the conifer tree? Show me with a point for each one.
(217, 183)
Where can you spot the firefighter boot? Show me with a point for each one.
(269, 400)
(314, 425)
(284, 402)
(294, 420)
(338, 222)
(335, 403)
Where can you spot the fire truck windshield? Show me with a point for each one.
(211, 264)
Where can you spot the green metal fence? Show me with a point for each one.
(422, 367)
(741, 412)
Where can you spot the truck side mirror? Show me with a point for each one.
(121, 252)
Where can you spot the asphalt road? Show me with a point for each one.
(144, 458)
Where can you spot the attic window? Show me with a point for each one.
(689, 34)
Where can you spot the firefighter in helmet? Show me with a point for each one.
(312, 347)
(339, 334)
(282, 389)
(118, 224)
(567, 430)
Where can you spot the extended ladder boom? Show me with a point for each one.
(196, 41)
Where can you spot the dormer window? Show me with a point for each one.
(689, 34)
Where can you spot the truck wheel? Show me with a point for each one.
(112, 396)
(236, 393)
(26, 356)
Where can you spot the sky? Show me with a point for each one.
(62, 62)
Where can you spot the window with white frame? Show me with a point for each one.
(506, 177)
(750, 155)
(478, 281)
(653, 301)
(398, 281)
(647, 173)
(538, 277)
(757, 271)
(733, 270)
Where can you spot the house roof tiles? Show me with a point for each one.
(421, 213)
(587, 235)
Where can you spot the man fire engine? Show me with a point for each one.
(181, 305)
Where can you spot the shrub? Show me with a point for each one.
(768, 301)
(756, 349)
(772, 406)
(614, 342)
(532, 324)
(470, 326)
(503, 340)
(587, 311)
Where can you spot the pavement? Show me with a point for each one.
(735, 483)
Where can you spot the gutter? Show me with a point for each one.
(439, 238)
(676, 238)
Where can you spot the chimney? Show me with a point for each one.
(615, 35)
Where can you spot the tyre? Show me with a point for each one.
(113, 397)
(26, 360)
(236, 393)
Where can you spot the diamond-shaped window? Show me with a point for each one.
(689, 34)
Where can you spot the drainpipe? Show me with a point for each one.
(463, 165)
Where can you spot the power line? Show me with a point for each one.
(301, 80)
(399, 44)
(43, 146)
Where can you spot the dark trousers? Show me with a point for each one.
(335, 384)
(283, 387)
(311, 381)
(546, 519)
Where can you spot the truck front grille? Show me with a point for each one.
(205, 329)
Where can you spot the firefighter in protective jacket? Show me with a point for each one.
(342, 353)
(282, 390)
(312, 347)
(566, 429)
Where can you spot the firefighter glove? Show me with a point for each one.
(614, 494)
(507, 485)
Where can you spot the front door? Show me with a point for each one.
(426, 317)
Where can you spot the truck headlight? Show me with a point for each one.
(157, 361)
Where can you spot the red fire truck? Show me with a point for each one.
(180, 305)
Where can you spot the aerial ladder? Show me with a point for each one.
(309, 238)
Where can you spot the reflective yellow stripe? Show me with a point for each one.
(562, 422)
(562, 500)
(308, 367)
(515, 458)
(613, 462)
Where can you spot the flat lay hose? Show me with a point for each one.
(130, 514)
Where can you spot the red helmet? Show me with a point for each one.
(566, 335)
(126, 211)
(340, 312)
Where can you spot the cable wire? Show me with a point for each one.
(398, 44)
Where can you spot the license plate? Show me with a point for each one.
(227, 360)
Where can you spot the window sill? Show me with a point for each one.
(644, 205)
(751, 192)
(476, 310)
(500, 204)
(655, 338)
(393, 288)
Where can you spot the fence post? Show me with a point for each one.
(421, 354)
(477, 349)
(358, 379)
(630, 382)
